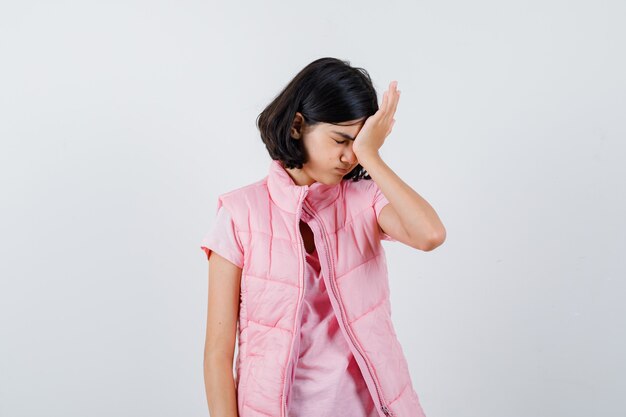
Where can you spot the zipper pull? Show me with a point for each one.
(386, 410)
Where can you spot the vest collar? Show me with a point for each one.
(286, 193)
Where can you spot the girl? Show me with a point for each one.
(296, 267)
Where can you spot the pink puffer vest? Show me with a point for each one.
(266, 215)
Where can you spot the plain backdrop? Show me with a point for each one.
(122, 121)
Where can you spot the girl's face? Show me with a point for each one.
(329, 149)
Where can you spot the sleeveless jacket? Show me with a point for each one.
(267, 215)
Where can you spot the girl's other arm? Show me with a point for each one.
(222, 315)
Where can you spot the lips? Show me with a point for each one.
(343, 171)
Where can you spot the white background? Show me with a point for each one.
(122, 121)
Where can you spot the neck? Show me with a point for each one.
(299, 177)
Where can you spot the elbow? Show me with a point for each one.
(436, 239)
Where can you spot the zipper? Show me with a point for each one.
(300, 297)
(335, 291)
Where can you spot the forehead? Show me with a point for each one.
(348, 129)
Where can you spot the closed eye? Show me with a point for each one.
(340, 142)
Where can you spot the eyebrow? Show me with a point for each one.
(344, 135)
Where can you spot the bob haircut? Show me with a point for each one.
(327, 90)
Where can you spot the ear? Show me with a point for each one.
(296, 126)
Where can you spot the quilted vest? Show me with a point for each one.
(267, 217)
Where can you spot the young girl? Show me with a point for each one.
(297, 270)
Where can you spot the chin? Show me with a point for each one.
(330, 179)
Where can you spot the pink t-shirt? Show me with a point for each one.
(327, 379)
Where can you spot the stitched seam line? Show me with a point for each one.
(258, 411)
(355, 267)
(249, 232)
(267, 325)
(272, 280)
(378, 304)
(352, 220)
(401, 392)
(356, 216)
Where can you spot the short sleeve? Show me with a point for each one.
(380, 201)
(222, 238)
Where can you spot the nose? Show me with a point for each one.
(348, 157)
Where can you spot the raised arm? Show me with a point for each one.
(408, 217)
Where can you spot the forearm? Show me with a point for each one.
(419, 219)
(219, 383)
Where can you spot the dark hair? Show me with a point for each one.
(327, 90)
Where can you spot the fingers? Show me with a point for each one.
(390, 103)
(395, 97)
